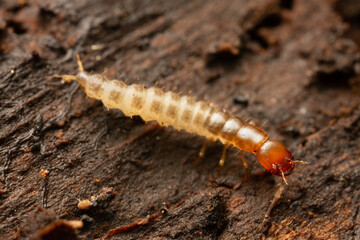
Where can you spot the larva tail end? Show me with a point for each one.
(65, 78)
(80, 65)
(276, 158)
(69, 78)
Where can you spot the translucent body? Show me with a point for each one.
(183, 112)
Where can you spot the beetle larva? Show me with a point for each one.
(183, 112)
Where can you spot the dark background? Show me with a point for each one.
(293, 65)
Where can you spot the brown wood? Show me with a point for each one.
(292, 64)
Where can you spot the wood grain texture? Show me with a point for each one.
(293, 61)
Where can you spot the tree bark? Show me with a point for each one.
(293, 65)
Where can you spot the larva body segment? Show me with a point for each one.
(183, 112)
(168, 108)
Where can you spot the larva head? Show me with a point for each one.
(276, 158)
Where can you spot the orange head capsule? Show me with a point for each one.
(276, 158)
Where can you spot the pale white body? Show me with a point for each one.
(168, 108)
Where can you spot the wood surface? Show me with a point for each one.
(293, 65)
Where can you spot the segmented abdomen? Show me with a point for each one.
(168, 108)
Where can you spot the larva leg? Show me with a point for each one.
(223, 156)
(247, 174)
(202, 151)
(246, 166)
